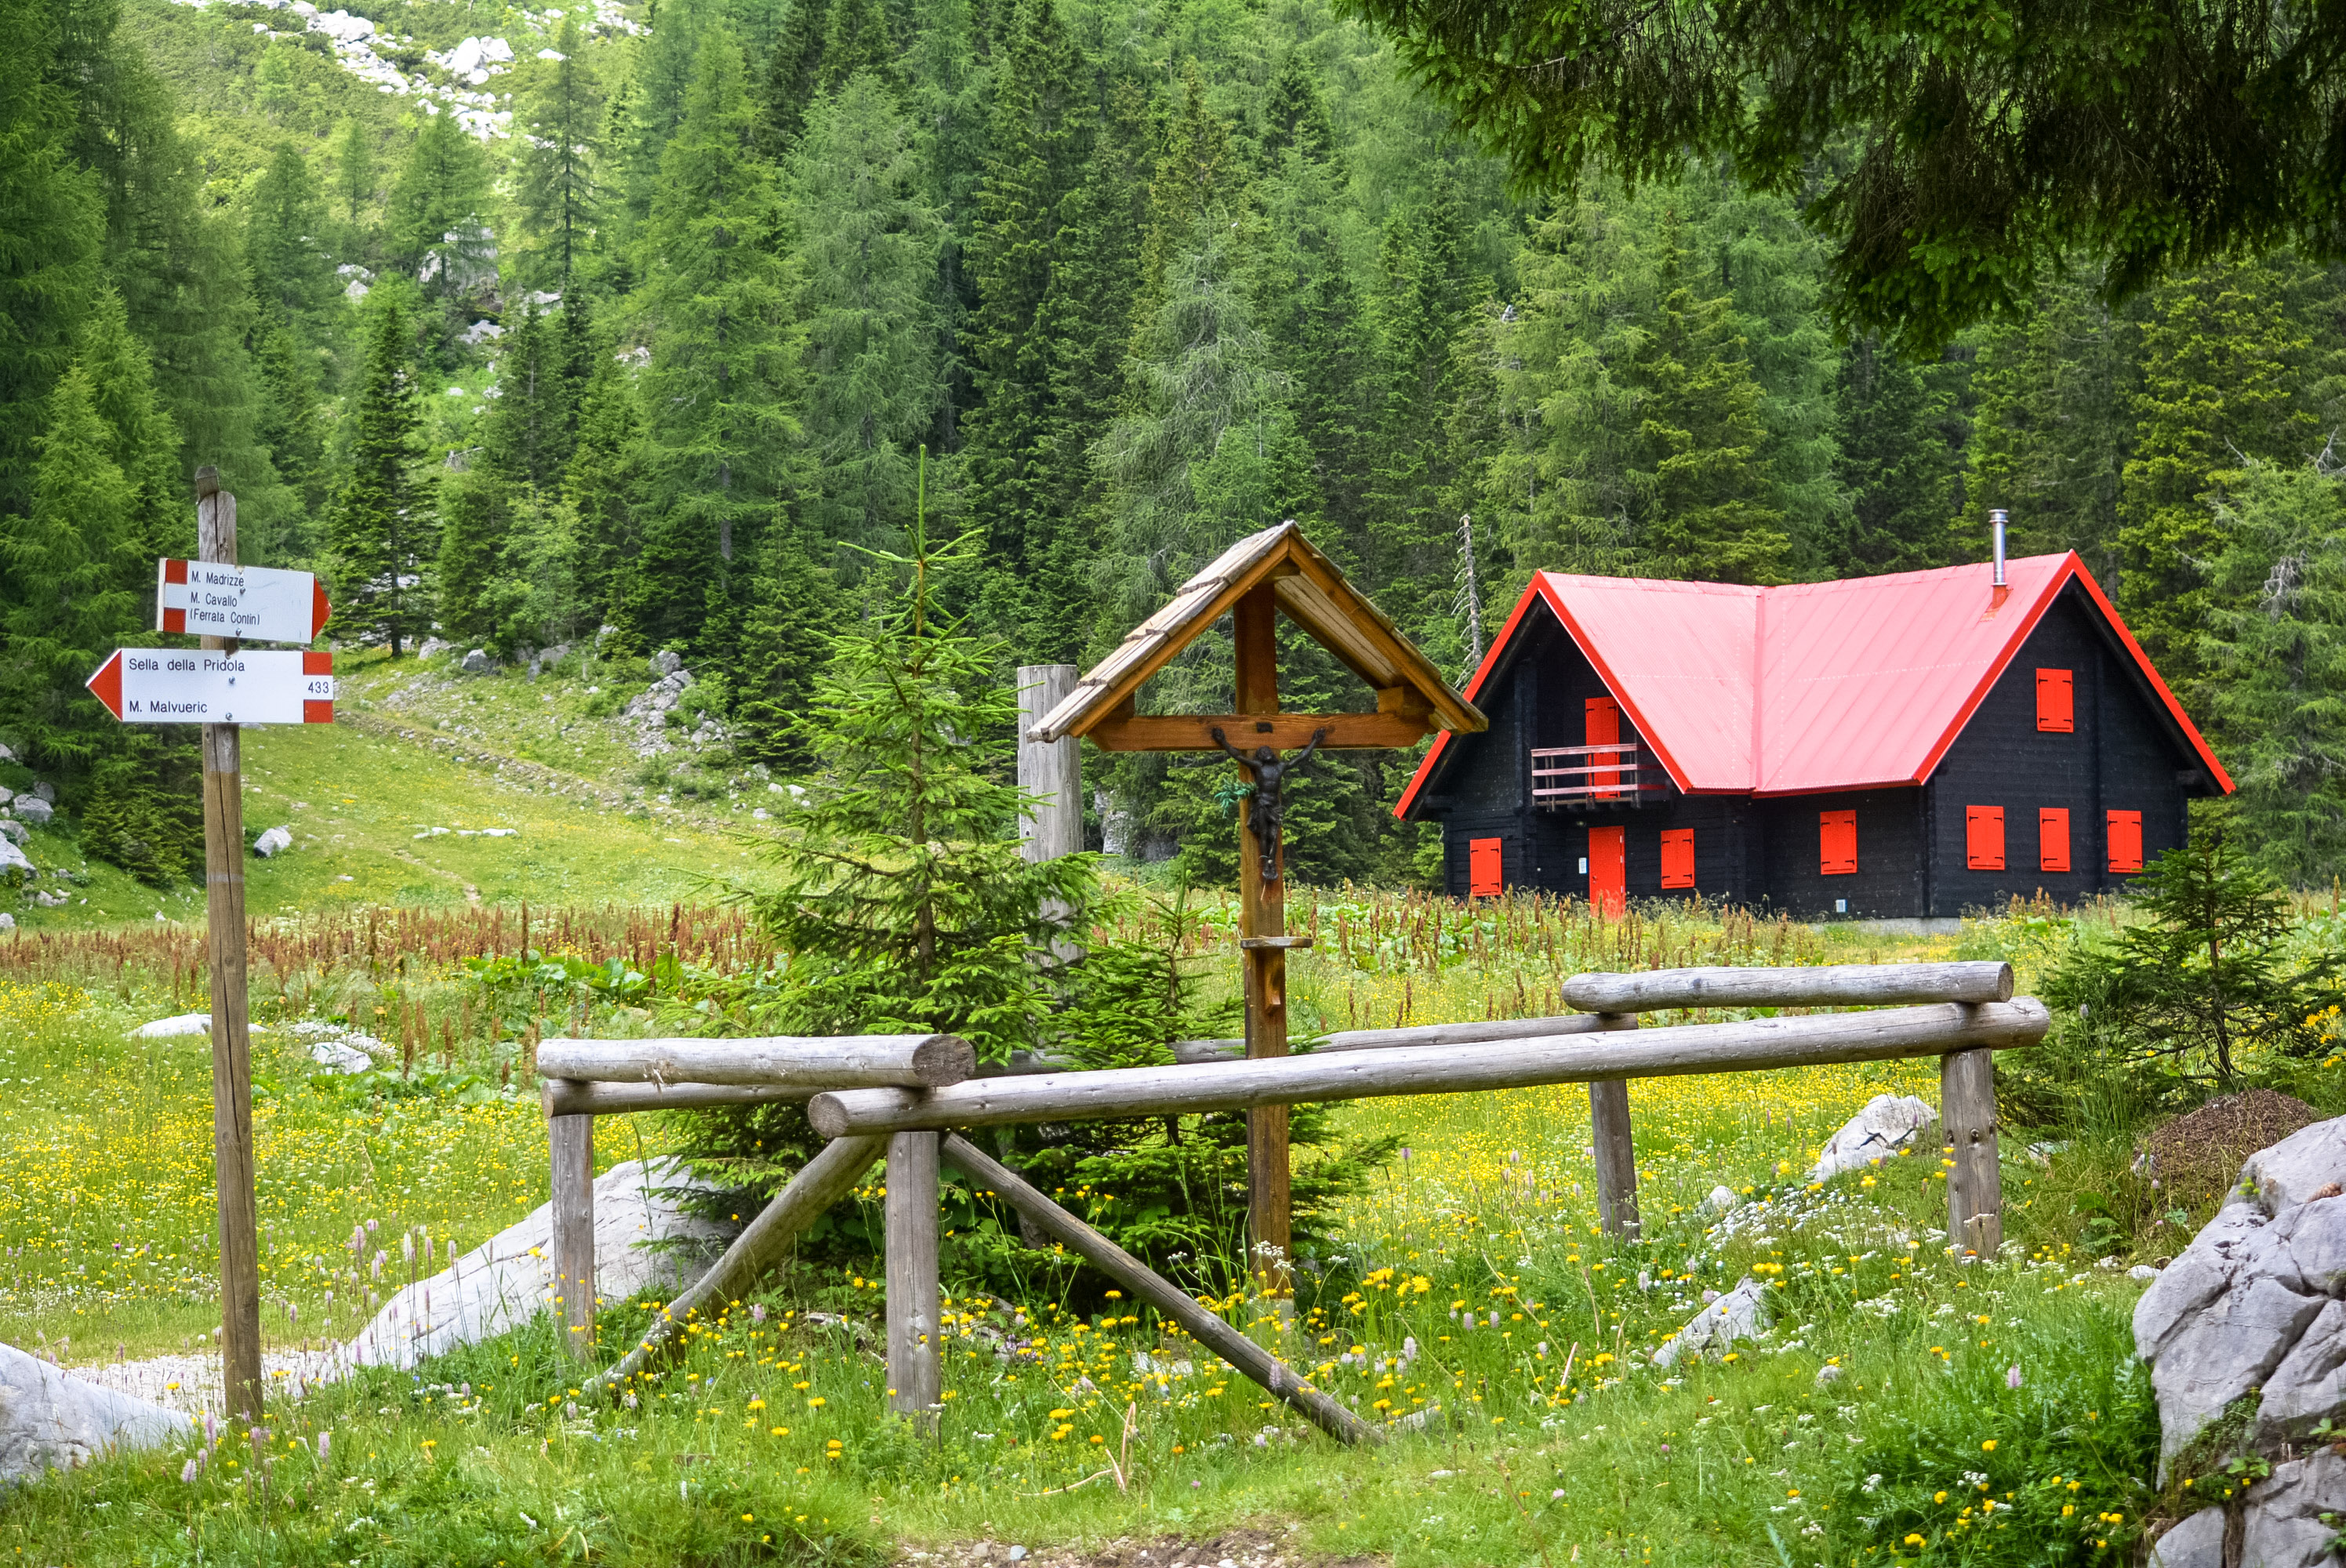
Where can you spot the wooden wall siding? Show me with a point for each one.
(1890, 870)
(2121, 756)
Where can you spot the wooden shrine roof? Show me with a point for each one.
(1312, 594)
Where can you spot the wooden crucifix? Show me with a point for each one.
(1254, 582)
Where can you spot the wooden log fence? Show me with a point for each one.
(906, 1096)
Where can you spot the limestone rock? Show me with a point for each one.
(476, 663)
(2283, 1528)
(32, 809)
(1741, 1314)
(2255, 1309)
(45, 791)
(667, 662)
(7, 923)
(13, 831)
(13, 858)
(509, 1279)
(2196, 1542)
(51, 1420)
(1887, 1124)
(172, 1028)
(1722, 1201)
(274, 841)
(431, 648)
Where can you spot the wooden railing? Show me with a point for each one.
(1618, 774)
(901, 1097)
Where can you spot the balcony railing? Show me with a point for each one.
(1620, 775)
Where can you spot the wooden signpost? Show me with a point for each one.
(1267, 575)
(222, 687)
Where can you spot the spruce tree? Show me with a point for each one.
(1895, 463)
(1034, 152)
(856, 40)
(285, 249)
(52, 224)
(557, 197)
(1709, 515)
(2220, 358)
(67, 565)
(719, 390)
(2054, 393)
(437, 214)
(480, 587)
(794, 74)
(355, 179)
(867, 244)
(1295, 115)
(786, 635)
(602, 489)
(379, 534)
(142, 442)
(525, 439)
(662, 81)
(2276, 656)
(293, 428)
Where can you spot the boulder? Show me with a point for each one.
(1888, 1124)
(7, 923)
(13, 858)
(13, 831)
(1741, 1314)
(2246, 1337)
(32, 809)
(44, 790)
(50, 1420)
(274, 842)
(431, 648)
(476, 663)
(666, 663)
(509, 1279)
(341, 1057)
(174, 1027)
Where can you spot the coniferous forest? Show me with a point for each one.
(642, 326)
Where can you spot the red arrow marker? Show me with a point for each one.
(320, 610)
(106, 684)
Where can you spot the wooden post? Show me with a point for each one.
(1974, 1184)
(909, 1210)
(572, 1140)
(1617, 1154)
(1052, 770)
(1262, 928)
(231, 1043)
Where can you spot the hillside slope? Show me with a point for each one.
(434, 787)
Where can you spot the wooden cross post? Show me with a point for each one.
(1974, 1184)
(571, 1142)
(233, 1159)
(1262, 939)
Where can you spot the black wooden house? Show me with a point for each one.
(1912, 745)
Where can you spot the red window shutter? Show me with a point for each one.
(1983, 837)
(2055, 710)
(1677, 857)
(2126, 840)
(1837, 843)
(2052, 838)
(1483, 874)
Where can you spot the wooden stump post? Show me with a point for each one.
(1615, 1150)
(910, 1207)
(1051, 769)
(1974, 1184)
(1262, 948)
(572, 1140)
(232, 1156)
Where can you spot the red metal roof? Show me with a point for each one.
(1813, 687)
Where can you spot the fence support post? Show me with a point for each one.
(910, 1207)
(1617, 1154)
(1052, 770)
(572, 1140)
(1974, 1186)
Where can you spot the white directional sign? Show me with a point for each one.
(173, 686)
(257, 603)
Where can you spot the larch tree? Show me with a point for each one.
(867, 244)
(555, 185)
(720, 393)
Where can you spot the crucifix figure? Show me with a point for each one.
(1269, 808)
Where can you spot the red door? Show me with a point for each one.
(1608, 882)
(1602, 722)
(1484, 879)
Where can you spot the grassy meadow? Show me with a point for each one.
(1902, 1408)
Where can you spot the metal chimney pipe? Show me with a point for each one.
(1996, 521)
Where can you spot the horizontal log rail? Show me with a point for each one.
(1416, 1035)
(908, 1061)
(1750, 1045)
(1816, 985)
